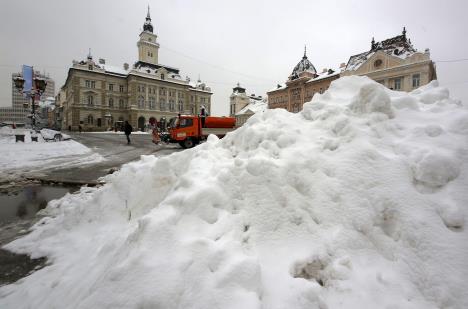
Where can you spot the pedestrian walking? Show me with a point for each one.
(128, 130)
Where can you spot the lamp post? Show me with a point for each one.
(39, 86)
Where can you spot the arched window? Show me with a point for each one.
(90, 100)
(121, 103)
(111, 102)
(141, 102)
(90, 119)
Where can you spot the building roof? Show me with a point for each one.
(398, 46)
(303, 66)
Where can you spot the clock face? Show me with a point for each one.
(377, 63)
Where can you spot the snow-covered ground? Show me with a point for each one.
(19, 156)
(359, 201)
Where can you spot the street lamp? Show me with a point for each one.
(40, 85)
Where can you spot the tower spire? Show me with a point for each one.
(90, 57)
(147, 26)
(305, 51)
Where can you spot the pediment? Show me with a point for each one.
(379, 61)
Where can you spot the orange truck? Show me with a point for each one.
(189, 130)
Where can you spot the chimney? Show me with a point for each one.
(427, 51)
(102, 61)
(325, 70)
(126, 66)
(342, 65)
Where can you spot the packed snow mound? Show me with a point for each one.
(356, 202)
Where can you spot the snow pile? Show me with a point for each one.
(359, 201)
(24, 156)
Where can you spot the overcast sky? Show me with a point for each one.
(256, 43)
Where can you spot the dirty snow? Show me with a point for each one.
(359, 201)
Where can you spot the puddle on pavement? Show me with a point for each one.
(17, 213)
(28, 201)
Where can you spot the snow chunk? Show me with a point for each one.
(436, 169)
(372, 98)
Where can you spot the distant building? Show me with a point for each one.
(243, 106)
(303, 83)
(394, 63)
(18, 113)
(256, 105)
(98, 96)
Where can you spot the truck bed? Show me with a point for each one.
(216, 131)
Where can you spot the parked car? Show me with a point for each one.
(52, 135)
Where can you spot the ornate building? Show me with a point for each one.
(243, 106)
(303, 83)
(97, 96)
(394, 63)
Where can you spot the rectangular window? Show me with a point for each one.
(111, 87)
(416, 80)
(121, 88)
(93, 84)
(397, 83)
(88, 84)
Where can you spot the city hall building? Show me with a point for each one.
(98, 96)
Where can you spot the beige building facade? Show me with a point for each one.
(303, 83)
(243, 106)
(99, 97)
(394, 63)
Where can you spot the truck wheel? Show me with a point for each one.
(188, 143)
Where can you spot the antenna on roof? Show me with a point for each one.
(404, 32)
(305, 51)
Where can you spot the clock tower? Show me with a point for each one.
(147, 45)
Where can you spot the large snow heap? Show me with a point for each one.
(359, 201)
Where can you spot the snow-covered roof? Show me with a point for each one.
(254, 106)
(398, 46)
(326, 74)
(114, 69)
(303, 66)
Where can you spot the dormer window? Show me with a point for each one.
(90, 67)
(162, 76)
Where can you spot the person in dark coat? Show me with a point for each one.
(128, 130)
